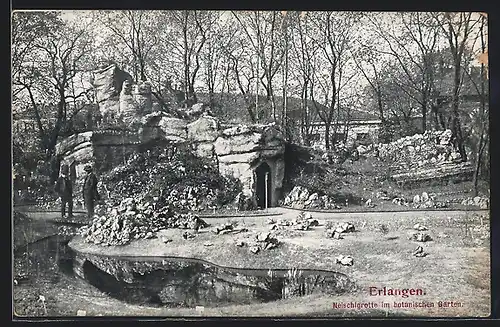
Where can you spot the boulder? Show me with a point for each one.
(313, 197)
(204, 129)
(304, 195)
(238, 157)
(419, 227)
(416, 199)
(243, 138)
(225, 145)
(294, 194)
(263, 237)
(196, 110)
(174, 129)
(254, 249)
(344, 260)
(71, 142)
(420, 237)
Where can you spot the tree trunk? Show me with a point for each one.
(456, 126)
(424, 116)
(327, 136)
(477, 167)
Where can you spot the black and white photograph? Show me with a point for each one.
(250, 163)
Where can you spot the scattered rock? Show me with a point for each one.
(208, 244)
(270, 245)
(240, 244)
(420, 237)
(347, 227)
(270, 221)
(419, 252)
(301, 198)
(419, 227)
(301, 226)
(482, 203)
(166, 240)
(382, 195)
(336, 231)
(263, 237)
(369, 203)
(337, 236)
(344, 260)
(254, 249)
(187, 235)
(313, 222)
(400, 201)
(223, 229)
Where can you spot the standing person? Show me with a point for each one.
(64, 187)
(90, 194)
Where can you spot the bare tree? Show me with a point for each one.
(480, 116)
(411, 40)
(189, 31)
(51, 69)
(26, 28)
(302, 55)
(263, 33)
(216, 67)
(458, 29)
(333, 38)
(369, 63)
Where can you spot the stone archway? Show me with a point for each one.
(263, 186)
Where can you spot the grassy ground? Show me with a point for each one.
(456, 269)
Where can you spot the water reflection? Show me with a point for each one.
(189, 282)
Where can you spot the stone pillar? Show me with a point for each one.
(127, 103)
(142, 97)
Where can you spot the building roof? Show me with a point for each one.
(233, 108)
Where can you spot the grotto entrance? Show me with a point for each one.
(264, 182)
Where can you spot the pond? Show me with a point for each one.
(169, 281)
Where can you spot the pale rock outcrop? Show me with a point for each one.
(108, 83)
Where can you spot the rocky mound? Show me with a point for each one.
(184, 180)
(417, 151)
(301, 198)
(133, 220)
(156, 189)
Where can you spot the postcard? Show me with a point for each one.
(205, 163)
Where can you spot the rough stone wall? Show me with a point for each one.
(240, 150)
(111, 148)
(102, 149)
